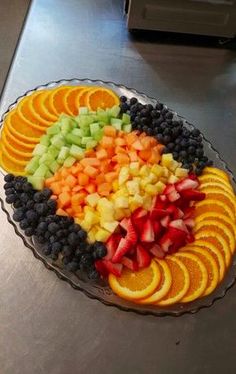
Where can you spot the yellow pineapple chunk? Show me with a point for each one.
(157, 170)
(181, 173)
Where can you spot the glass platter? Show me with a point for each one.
(101, 291)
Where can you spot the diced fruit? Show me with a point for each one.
(143, 257)
(123, 247)
(147, 235)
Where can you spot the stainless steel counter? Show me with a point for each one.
(45, 325)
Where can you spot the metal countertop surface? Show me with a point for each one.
(45, 325)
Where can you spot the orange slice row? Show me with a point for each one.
(25, 124)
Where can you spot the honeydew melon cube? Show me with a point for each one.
(37, 182)
(127, 128)
(114, 111)
(86, 139)
(41, 171)
(85, 121)
(102, 116)
(46, 159)
(58, 141)
(181, 173)
(110, 226)
(39, 150)
(54, 130)
(94, 127)
(102, 124)
(54, 166)
(69, 161)
(76, 152)
(121, 202)
(53, 151)
(92, 144)
(45, 140)
(98, 135)
(102, 235)
(126, 119)
(67, 124)
(93, 199)
(32, 165)
(117, 123)
(73, 139)
(83, 110)
(133, 187)
(48, 174)
(77, 132)
(64, 153)
(172, 179)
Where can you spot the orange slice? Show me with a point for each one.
(213, 179)
(71, 100)
(27, 114)
(15, 159)
(214, 252)
(218, 227)
(222, 186)
(81, 97)
(212, 205)
(13, 149)
(58, 100)
(38, 103)
(10, 166)
(217, 240)
(180, 282)
(16, 142)
(164, 285)
(210, 264)
(48, 102)
(220, 194)
(20, 129)
(218, 217)
(136, 285)
(198, 276)
(101, 98)
(220, 173)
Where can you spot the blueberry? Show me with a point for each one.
(32, 216)
(144, 121)
(166, 131)
(182, 154)
(169, 115)
(56, 247)
(160, 137)
(144, 113)
(24, 224)
(24, 197)
(124, 107)
(41, 239)
(17, 204)
(100, 250)
(47, 251)
(86, 260)
(159, 106)
(82, 234)
(170, 146)
(18, 186)
(9, 178)
(183, 143)
(11, 199)
(9, 191)
(52, 239)
(123, 99)
(191, 158)
(41, 208)
(29, 231)
(199, 152)
(149, 107)
(38, 197)
(191, 150)
(186, 166)
(155, 114)
(166, 139)
(27, 187)
(175, 155)
(73, 238)
(46, 192)
(164, 111)
(18, 215)
(52, 205)
(42, 227)
(72, 266)
(133, 101)
(66, 260)
(150, 132)
(195, 132)
(186, 132)
(8, 185)
(177, 148)
(52, 227)
(155, 123)
(30, 204)
(133, 108)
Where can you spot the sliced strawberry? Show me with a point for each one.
(179, 225)
(193, 195)
(139, 213)
(161, 204)
(111, 245)
(189, 212)
(173, 196)
(165, 242)
(189, 222)
(193, 177)
(147, 246)
(156, 228)
(163, 198)
(147, 234)
(131, 233)
(157, 251)
(124, 223)
(172, 239)
(165, 221)
(138, 224)
(157, 213)
(130, 264)
(190, 238)
(101, 268)
(175, 212)
(115, 269)
(143, 257)
(123, 247)
(186, 184)
(168, 189)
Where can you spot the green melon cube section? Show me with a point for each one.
(54, 130)
(37, 182)
(77, 132)
(41, 171)
(98, 135)
(117, 123)
(48, 174)
(94, 127)
(127, 128)
(83, 110)
(126, 119)
(53, 151)
(76, 152)
(39, 150)
(86, 139)
(91, 144)
(54, 166)
(46, 159)
(69, 161)
(58, 141)
(115, 111)
(45, 140)
(73, 139)
(64, 153)
(32, 165)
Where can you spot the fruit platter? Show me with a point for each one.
(120, 196)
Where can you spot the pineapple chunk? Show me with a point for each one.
(134, 169)
(151, 189)
(144, 171)
(115, 185)
(106, 209)
(93, 199)
(91, 218)
(102, 235)
(147, 202)
(119, 214)
(135, 202)
(110, 226)
(172, 179)
(144, 182)
(127, 212)
(166, 172)
(157, 170)
(167, 160)
(91, 235)
(160, 187)
(121, 202)
(153, 178)
(181, 173)
(123, 175)
(174, 165)
(133, 187)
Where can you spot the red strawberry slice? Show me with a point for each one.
(193, 195)
(131, 233)
(173, 196)
(163, 198)
(165, 242)
(101, 268)
(161, 204)
(157, 251)
(189, 212)
(139, 213)
(157, 213)
(123, 247)
(175, 212)
(147, 234)
(186, 184)
(124, 223)
(179, 225)
(168, 189)
(193, 177)
(111, 245)
(156, 228)
(143, 257)
(130, 264)
(189, 222)
(115, 269)
(190, 238)
(165, 221)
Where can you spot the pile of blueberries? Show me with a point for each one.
(58, 235)
(185, 145)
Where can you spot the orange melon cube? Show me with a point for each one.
(110, 131)
(90, 171)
